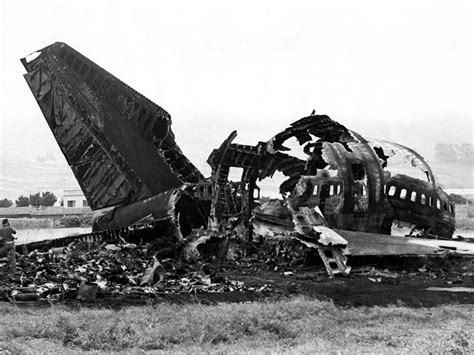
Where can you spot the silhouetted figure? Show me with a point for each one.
(6, 236)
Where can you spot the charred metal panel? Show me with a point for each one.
(358, 166)
(118, 143)
(317, 125)
(178, 207)
(157, 207)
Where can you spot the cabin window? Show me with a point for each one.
(431, 201)
(413, 196)
(331, 190)
(338, 189)
(445, 206)
(403, 194)
(392, 190)
(423, 199)
(438, 204)
(451, 209)
(316, 190)
(256, 194)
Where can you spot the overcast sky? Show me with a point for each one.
(378, 67)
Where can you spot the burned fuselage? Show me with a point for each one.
(122, 151)
(348, 177)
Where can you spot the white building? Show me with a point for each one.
(74, 199)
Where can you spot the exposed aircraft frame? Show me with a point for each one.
(347, 176)
(122, 151)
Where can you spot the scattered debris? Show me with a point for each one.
(86, 271)
(347, 197)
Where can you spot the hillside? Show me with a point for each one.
(24, 175)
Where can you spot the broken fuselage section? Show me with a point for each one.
(122, 151)
(349, 178)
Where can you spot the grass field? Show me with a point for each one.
(44, 223)
(295, 325)
(465, 217)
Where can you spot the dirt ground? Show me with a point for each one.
(365, 288)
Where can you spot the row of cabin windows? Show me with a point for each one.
(334, 189)
(404, 194)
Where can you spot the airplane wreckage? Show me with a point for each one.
(344, 198)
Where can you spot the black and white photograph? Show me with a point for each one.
(251, 177)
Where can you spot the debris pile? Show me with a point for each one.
(86, 271)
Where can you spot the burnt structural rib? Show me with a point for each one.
(118, 143)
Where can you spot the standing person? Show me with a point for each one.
(6, 234)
